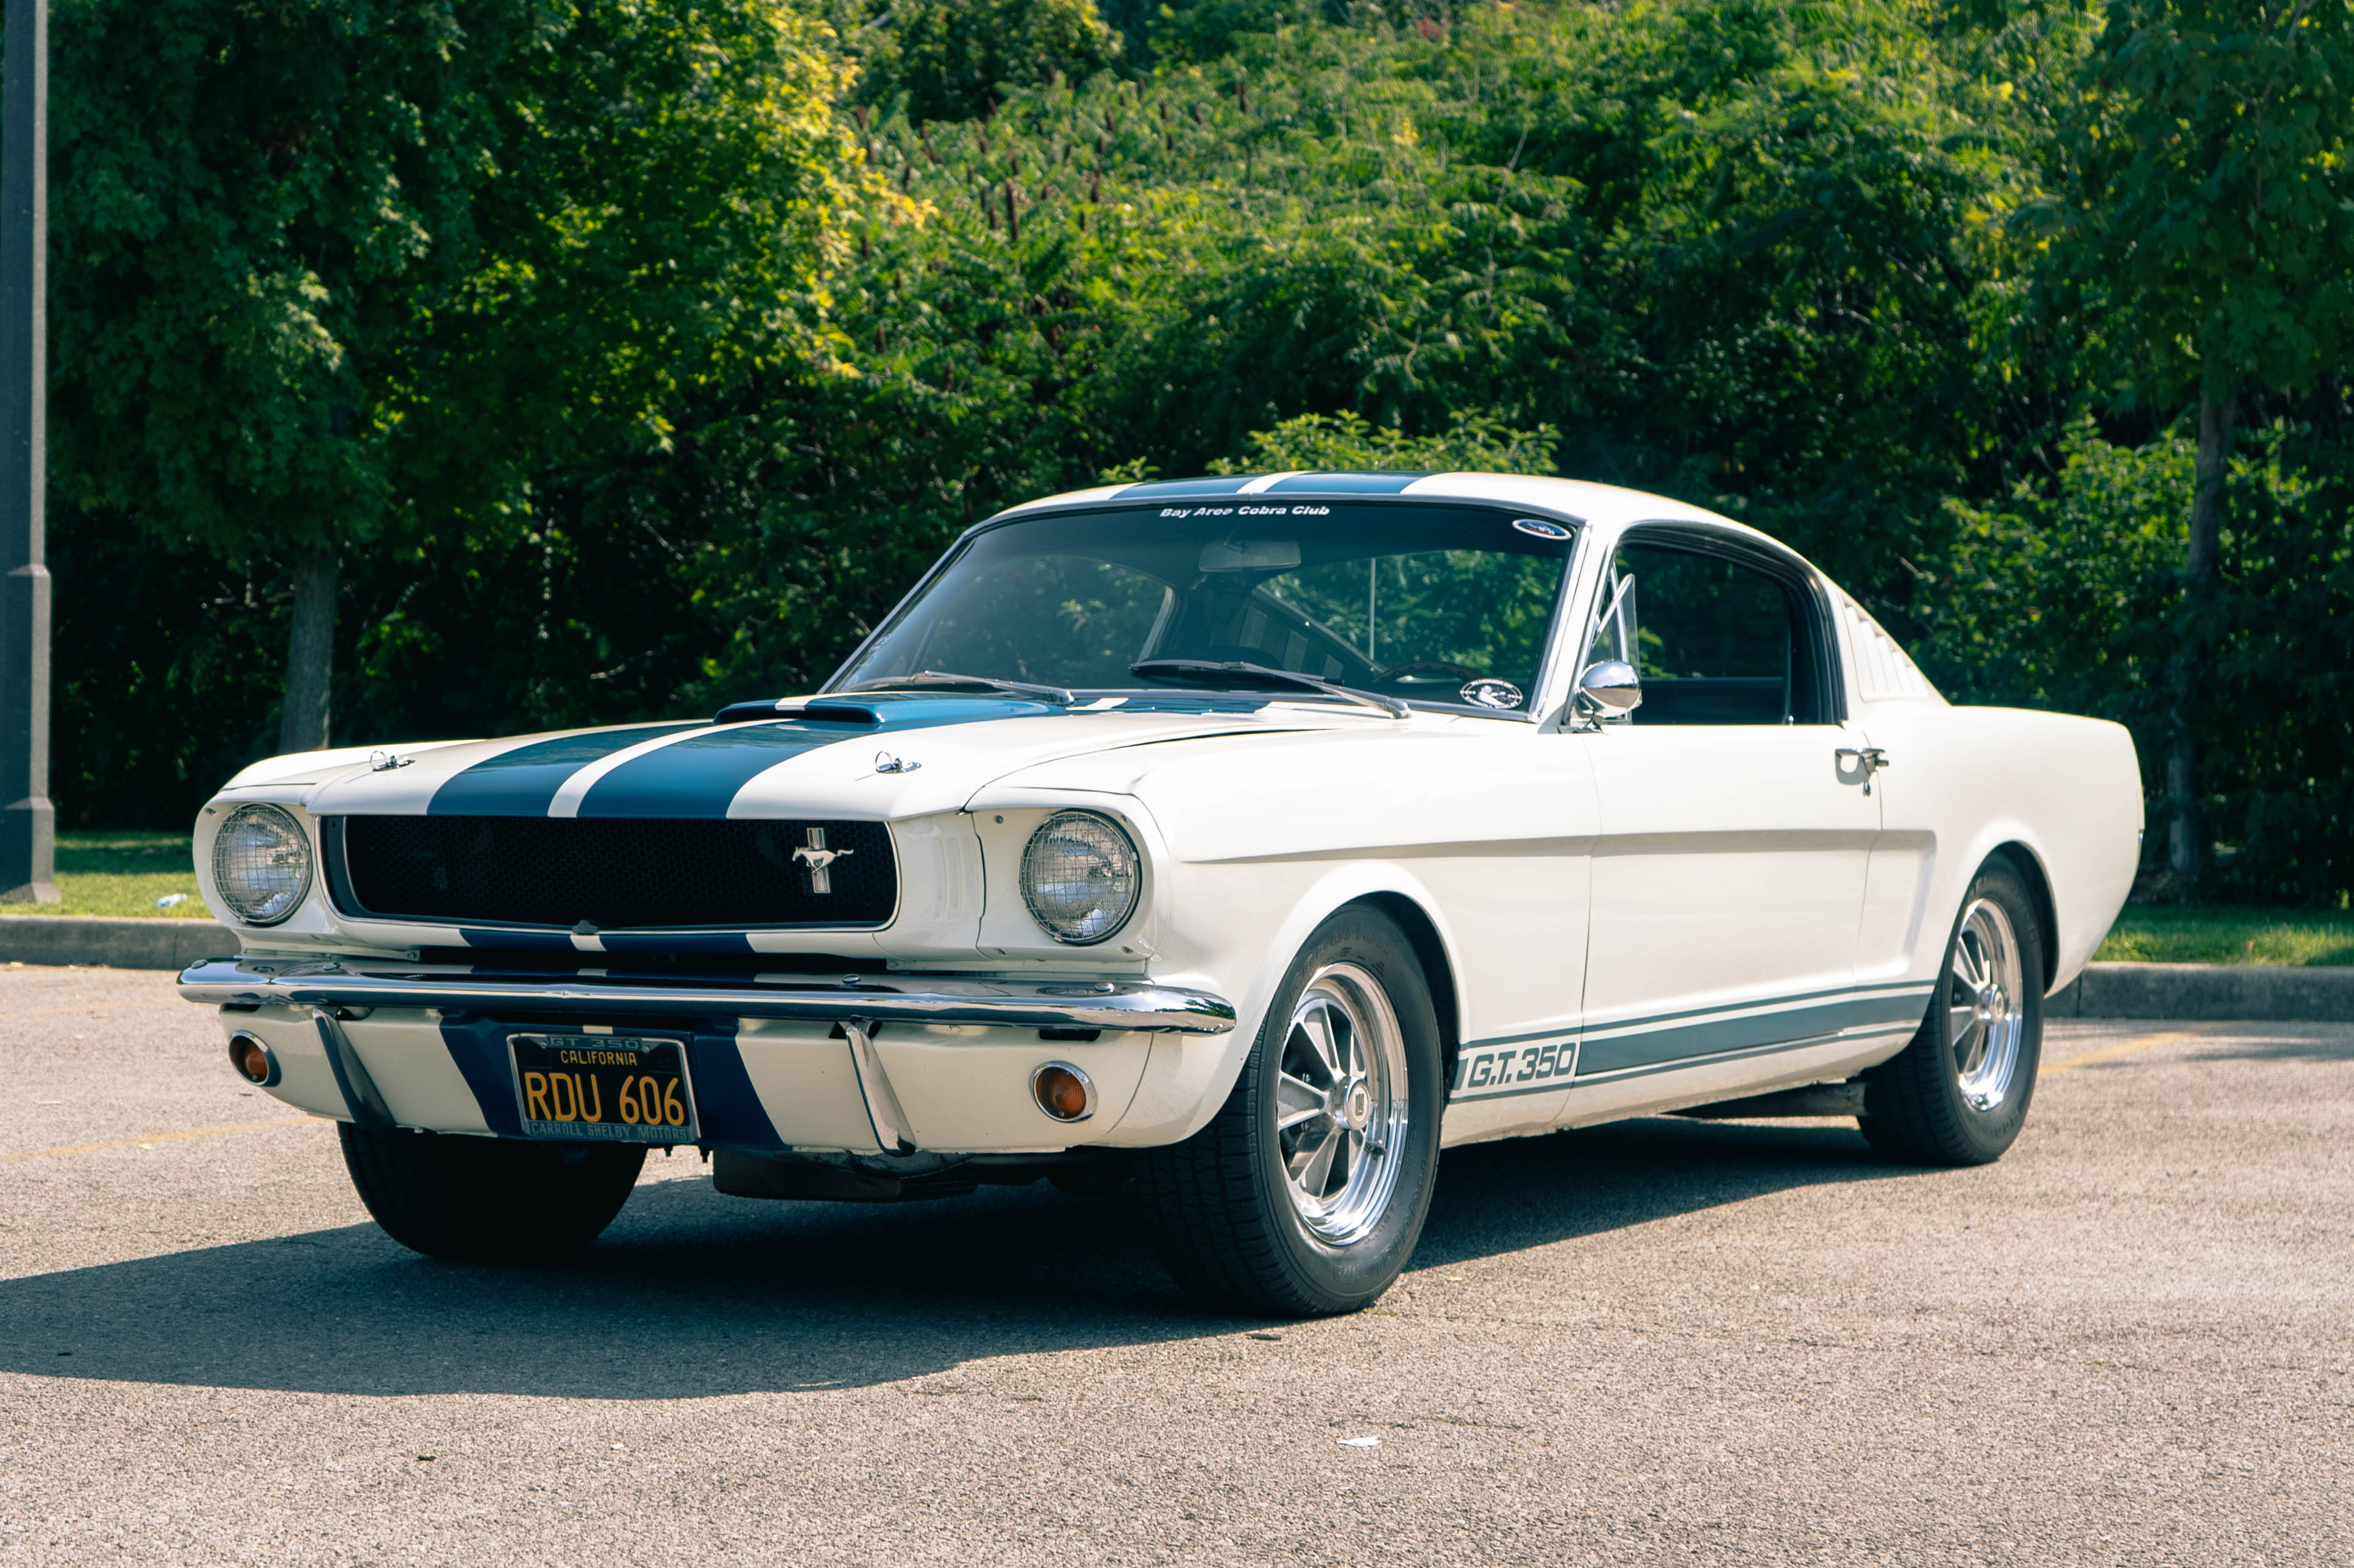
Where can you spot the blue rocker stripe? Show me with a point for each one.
(1920, 988)
(1715, 1037)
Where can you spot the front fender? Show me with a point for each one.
(1187, 1081)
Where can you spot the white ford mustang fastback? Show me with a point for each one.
(1233, 845)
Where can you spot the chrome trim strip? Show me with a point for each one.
(874, 999)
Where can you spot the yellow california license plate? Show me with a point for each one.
(626, 1089)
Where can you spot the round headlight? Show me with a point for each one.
(262, 864)
(1080, 876)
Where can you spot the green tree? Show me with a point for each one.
(2055, 595)
(336, 275)
(2207, 239)
(953, 60)
(1746, 254)
(1756, 253)
(1472, 443)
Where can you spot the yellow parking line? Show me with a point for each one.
(2121, 1048)
(162, 1137)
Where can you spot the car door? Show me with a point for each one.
(1736, 826)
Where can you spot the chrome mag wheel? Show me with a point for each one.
(1341, 1104)
(1306, 1192)
(1986, 1005)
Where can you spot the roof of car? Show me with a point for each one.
(1605, 504)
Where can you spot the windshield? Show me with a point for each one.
(1441, 604)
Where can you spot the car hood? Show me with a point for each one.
(875, 757)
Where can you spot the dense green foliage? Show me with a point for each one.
(2205, 221)
(2201, 230)
(359, 269)
(367, 274)
(950, 59)
(624, 444)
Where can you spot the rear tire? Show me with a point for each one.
(1958, 1094)
(1307, 1192)
(489, 1200)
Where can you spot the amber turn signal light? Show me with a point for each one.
(1063, 1092)
(253, 1060)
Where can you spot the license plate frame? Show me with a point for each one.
(602, 1072)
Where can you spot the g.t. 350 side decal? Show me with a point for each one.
(1492, 1071)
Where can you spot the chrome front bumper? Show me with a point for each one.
(865, 998)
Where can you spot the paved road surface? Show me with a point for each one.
(1661, 1342)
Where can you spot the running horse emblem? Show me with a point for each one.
(817, 861)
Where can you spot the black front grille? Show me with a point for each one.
(614, 873)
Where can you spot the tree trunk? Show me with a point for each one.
(2186, 840)
(309, 650)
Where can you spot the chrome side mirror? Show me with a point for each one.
(1609, 689)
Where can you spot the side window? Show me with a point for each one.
(1716, 642)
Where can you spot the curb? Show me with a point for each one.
(119, 944)
(2205, 992)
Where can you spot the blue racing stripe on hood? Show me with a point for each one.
(522, 782)
(700, 777)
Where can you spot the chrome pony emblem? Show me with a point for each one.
(817, 861)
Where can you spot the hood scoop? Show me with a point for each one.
(823, 711)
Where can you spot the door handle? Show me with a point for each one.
(1871, 758)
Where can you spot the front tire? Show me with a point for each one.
(489, 1200)
(1307, 1192)
(1958, 1094)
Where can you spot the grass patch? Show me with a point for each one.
(2194, 934)
(122, 873)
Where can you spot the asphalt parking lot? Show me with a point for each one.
(1663, 1342)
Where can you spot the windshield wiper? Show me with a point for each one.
(943, 681)
(1220, 674)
